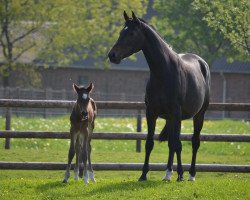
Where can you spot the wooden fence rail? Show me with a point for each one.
(124, 136)
(24, 103)
(8, 103)
(123, 166)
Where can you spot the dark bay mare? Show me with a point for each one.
(82, 124)
(178, 89)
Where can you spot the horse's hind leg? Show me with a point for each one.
(198, 124)
(70, 156)
(174, 138)
(91, 172)
(168, 129)
(80, 166)
(77, 149)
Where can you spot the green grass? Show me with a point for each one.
(20, 184)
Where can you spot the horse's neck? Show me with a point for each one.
(160, 57)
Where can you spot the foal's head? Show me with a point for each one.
(83, 100)
(130, 41)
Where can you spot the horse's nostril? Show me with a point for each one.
(85, 114)
(111, 55)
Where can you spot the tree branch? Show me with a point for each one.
(4, 48)
(23, 51)
(24, 35)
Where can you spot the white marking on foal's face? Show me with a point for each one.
(125, 28)
(84, 96)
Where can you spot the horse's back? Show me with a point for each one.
(195, 62)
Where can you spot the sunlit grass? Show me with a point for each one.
(21, 184)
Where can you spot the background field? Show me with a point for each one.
(21, 184)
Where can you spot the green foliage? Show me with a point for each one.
(181, 24)
(60, 31)
(231, 19)
(86, 29)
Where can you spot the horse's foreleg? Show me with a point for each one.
(151, 122)
(70, 157)
(198, 123)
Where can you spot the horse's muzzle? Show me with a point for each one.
(114, 58)
(84, 115)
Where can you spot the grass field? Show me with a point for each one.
(32, 184)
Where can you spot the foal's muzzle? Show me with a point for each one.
(84, 115)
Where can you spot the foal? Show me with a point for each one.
(82, 124)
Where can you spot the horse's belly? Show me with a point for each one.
(192, 105)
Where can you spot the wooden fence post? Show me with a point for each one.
(7, 126)
(138, 142)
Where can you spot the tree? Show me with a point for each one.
(231, 19)
(182, 26)
(59, 32)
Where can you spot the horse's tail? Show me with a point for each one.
(205, 70)
(163, 136)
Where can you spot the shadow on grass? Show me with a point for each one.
(47, 186)
(125, 186)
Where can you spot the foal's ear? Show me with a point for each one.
(90, 88)
(135, 18)
(75, 88)
(125, 16)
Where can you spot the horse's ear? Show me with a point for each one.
(90, 88)
(75, 88)
(135, 18)
(125, 16)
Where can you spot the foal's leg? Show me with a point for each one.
(84, 156)
(151, 122)
(91, 172)
(198, 124)
(70, 155)
(77, 149)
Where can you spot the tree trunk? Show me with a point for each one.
(6, 82)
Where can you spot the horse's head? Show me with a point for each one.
(83, 99)
(130, 41)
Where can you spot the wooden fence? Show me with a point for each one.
(138, 136)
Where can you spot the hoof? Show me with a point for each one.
(142, 178)
(168, 175)
(191, 178)
(80, 173)
(180, 179)
(92, 176)
(65, 181)
(85, 179)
